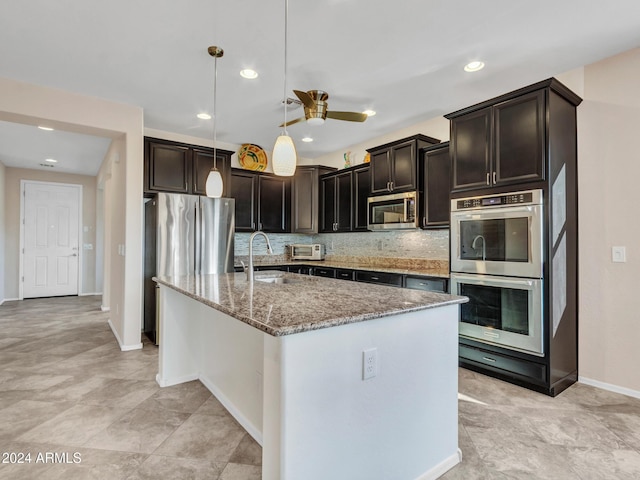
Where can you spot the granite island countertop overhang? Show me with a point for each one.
(307, 303)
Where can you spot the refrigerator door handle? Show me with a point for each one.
(197, 262)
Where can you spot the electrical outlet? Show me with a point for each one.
(618, 254)
(369, 363)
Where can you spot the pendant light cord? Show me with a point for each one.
(215, 103)
(286, 22)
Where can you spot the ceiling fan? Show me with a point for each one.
(315, 109)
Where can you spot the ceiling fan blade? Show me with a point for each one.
(348, 116)
(305, 98)
(291, 122)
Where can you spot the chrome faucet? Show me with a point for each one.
(249, 269)
(484, 245)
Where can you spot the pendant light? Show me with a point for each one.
(284, 151)
(213, 187)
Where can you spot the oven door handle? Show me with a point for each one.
(494, 212)
(489, 281)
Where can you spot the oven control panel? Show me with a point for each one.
(517, 198)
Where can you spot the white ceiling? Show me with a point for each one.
(402, 58)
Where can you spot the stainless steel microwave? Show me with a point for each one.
(392, 212)
(313, 251)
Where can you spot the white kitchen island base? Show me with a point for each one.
(303, 398)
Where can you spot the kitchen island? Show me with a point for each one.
(335, 380)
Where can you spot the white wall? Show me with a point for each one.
(30, 104)
(2, 231)
(609, 168)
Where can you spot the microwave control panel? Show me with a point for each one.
(519, 198)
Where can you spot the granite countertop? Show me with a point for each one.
(307, 303)
(428, 268)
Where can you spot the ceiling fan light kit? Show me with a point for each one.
(284, 155)
(213, 186)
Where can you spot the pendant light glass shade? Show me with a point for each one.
(284, 156)
(213, 187)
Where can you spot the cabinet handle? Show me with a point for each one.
(375, 278)
(392, 186)
(424, 221)
(488, 178)
(488, 359)
(259, 225)
(494, 178)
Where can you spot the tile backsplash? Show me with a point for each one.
(429, 244)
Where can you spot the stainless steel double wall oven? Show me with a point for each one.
(497, 261)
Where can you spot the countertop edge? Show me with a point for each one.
(282, 331)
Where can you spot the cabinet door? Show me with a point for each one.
(519, 139)
(243, 190)
(273, 204)
(327, 204)
(344, 195)
(168, 167)
(361, 189)
(470, 147)
(202, 164)
(403, 167)
(380, 166)
(437, 188)
(304, 201)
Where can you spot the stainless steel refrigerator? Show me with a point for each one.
(184, 235)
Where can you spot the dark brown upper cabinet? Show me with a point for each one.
(436, 182)
(336, 196)
(181, 168)
(305, 198)
(394, 165)
(202, 164)
(361, 190)
(263, 201)
(343, 199)
(500, 142)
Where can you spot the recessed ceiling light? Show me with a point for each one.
(474, 66)
(307, 139)
(248, 73)
(204, 116)
(48, 129)
(369, 113)
(51, 160)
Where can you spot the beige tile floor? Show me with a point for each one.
(66, 388)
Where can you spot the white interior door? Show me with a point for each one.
(51, 239)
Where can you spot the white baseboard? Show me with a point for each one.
(9, 300)
(444, 466)
(89, 294)
(234, 411)
(610, 387)
(128, 348)
(175, 381)
(124, 348)
(104, 308)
